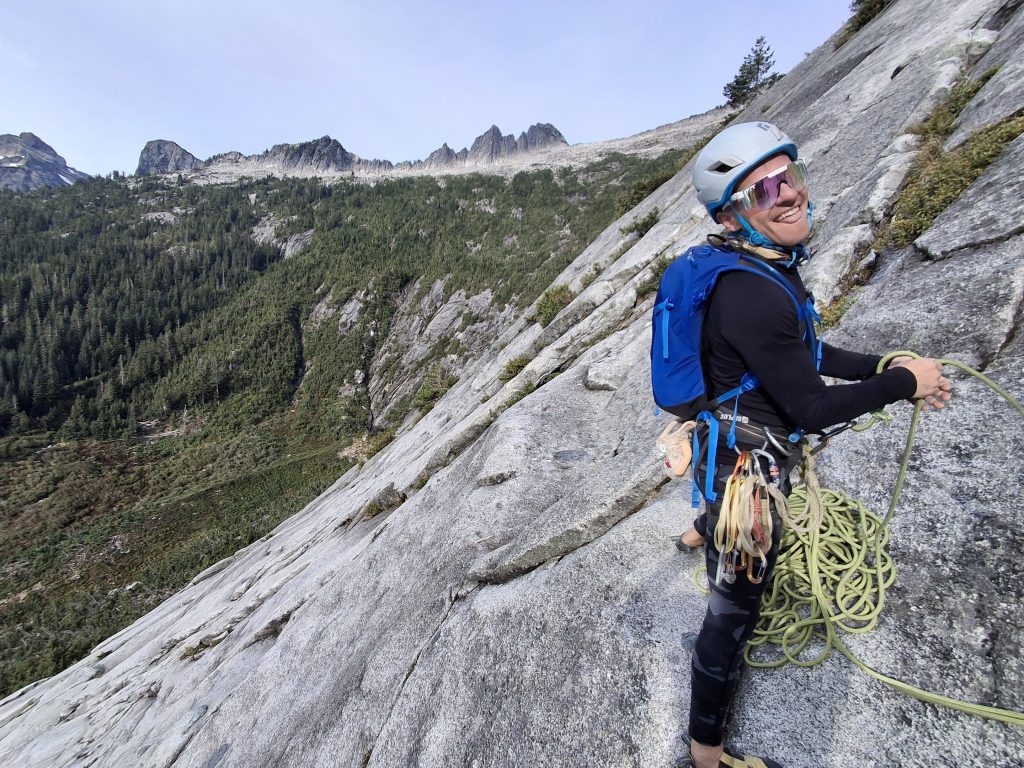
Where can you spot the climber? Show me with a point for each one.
(752, 182)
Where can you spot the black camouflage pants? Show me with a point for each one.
(733, 611)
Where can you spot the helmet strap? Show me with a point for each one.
(753, 236)
(756, 243)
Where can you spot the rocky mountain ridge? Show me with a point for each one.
(27, 162)
(498, 586)
(32, 164)
(541, 146)
(326, 157)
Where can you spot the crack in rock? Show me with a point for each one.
(497, 478)
(193, 652)
(549, 551)
(936, 255)
(456, 596)
(1016, 320)
(274, 626)
(213, 570)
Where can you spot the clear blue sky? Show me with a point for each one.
(389, 79)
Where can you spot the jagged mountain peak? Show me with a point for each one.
(540, 135)
(492, 146)
(27, 162)
(31, 140)
(323, 154)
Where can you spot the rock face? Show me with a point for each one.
(524, 605)
(27, 163)
(440, 157)
(265, 233)
(324, 154)
(490, 146)
(1003, 94)
(539, 136)
(162, 156)
(467, 324)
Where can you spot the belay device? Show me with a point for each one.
(676, 373)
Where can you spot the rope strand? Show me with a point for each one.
(833, 571)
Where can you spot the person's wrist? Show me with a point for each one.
(904, 380)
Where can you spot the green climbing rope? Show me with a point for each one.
(833, 571)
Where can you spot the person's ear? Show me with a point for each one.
(728, 220)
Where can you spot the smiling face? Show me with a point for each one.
(785, 223)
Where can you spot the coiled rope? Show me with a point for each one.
(833, 570)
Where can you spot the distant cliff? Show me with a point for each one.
(162, 156)
(27, 162)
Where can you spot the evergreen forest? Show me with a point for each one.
(166, 397)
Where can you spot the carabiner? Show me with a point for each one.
(762, 569)
(773, 468)
(824, 437)
(771, 439)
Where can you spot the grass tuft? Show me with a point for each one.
(642, 226)
(435, 383)
(937, 178)
(651, 283)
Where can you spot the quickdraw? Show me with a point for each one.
(744, 531)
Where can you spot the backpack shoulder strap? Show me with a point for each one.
(805, 312)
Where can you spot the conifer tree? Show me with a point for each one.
(753, 75)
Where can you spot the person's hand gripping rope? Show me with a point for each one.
(933, 389)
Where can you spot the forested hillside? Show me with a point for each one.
(173, 385)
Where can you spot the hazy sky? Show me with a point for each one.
(389, 79)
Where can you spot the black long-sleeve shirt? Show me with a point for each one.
(752, 325)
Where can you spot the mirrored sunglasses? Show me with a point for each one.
(762, 194)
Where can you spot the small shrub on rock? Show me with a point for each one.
(555, 299)
(650, 285)
(386, 500)
(513, 368)
(642, 226)
(377, 442)
(590, 276)
(435, 383)
(863, 12)
(937, 178)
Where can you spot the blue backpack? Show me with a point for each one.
(677, 376)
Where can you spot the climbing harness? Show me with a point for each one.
(833, 570)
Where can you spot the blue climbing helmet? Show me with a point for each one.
(727, 158)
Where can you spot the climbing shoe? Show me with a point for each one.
(689, 540)
(730, 760)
